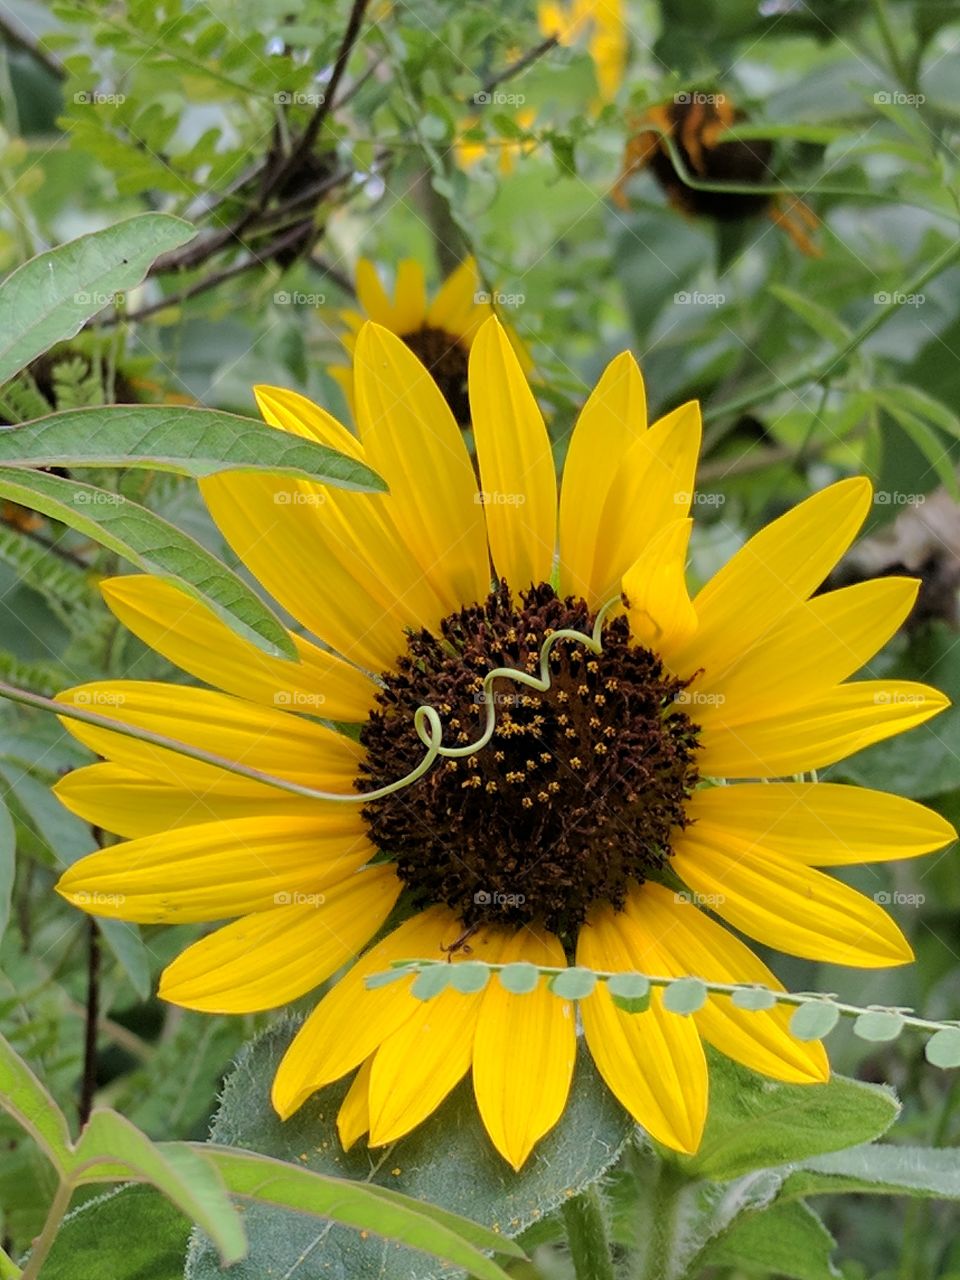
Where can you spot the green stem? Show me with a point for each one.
(835, 360)
(587, 1236)
(657, 1262)
(897, 65)
(56, 1215)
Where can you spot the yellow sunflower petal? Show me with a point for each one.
(410, 297)
(418, 1064)
(652, 1061)
(524, 1053)
(216, 870)
(371, 294)
(334, 559)
(817, 733)
(271, 957)
(516, 462)
(777, 569)
(691, 944)
(190, 635)
(455, 298)
(655, 587)
(131, 804)
(820, 824)
(608, 47)
(819, 644)
(612, 419)
(258, 737)
(350, 1022)
(353, 1118)
(653, 487)
(788, 906)
(411, 439)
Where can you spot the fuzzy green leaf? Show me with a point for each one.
(52, 296)
(814, 1020)
(178, 438)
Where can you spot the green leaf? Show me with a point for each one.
(630, 992)
(818, 318)
(153, 545)
(926, 406)
(431, 981)
(880, 1169)
(927, 440)
(8, 849)
(686, 995)
(111, 1148)
(185, 440)
(814, 1020)
(24, 1097)
(755, 999)
(519, 978)
(755, 1123)
(878, 1024)
(52, 296)
(573, 983)
(943, 1048)
(447, 1162)
(468, 977)
(394, 1217)
(129, 1233)
(786, 1239)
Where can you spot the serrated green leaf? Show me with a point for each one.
(685, 996)
(431, 981)
(943, 1048)
(52, 296)
(448, 1163)
(755, 1123)
(573, 983)
(519, 978)
(814, 1020)
(878, 1024)
(153, 545)
(182, 439)
(630, 992)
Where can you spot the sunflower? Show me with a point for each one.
(602, 21)
(587, 829)
(695, 124)
(440, 332)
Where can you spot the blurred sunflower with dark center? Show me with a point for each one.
(589, 828)
(693, 124)
(439, 331)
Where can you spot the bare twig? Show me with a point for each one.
(517, 68)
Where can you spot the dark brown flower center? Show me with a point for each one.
(576, 793)
(446, 359)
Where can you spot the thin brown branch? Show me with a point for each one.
(517, 68)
